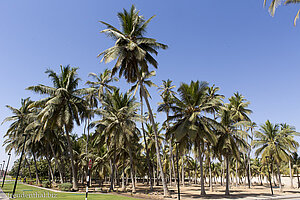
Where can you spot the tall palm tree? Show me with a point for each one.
(167, 94)
(63, 106)
(133, 53)
(119, 116)
(276, 143)
(229, 140)
(296, 165)
(191, 125)
(143, 82)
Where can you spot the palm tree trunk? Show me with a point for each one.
(195, 171)
(249, 167)
(123, 181)
(36, 170)
(56, 163)
(210, 175)
(29, 169)
(201, 172)
(227, 176)
(291, 175)
(236, 173)
(182, 172)
(112, 176)
(298, 177)
(165, 187)
(279, 177)
(132, 171)
(74, 172)
(50, 169)
(146, 146)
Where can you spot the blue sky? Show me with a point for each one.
(233, 44)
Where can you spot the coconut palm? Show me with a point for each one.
(63, 106)
(276, 143)
(143, 82)
(191, 125)
(133, 53)
(118, 125)
(275, 3)
(167, 94)
(229, 140)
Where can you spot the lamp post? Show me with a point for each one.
(267, 158)
(9, 154)
(15, 185)
(178, 184)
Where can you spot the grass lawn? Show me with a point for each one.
(37, 193)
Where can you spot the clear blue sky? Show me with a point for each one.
(233, 44)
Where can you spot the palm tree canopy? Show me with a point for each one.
(132, 50)
(64, 104)
(275, 142)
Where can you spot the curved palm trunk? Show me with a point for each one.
(146, 146)
(291, 175)
(112, 176)
(201, 172)
(74, 172)
(50, 170)
(132, 172)
(279, 177)
(57, 164)
(298, 177)
(227, 176)
(165, 187)
(36, 170)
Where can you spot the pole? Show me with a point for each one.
(269, 175)
(15, 185)
(88, 179)
(9, 154)
(178, 184)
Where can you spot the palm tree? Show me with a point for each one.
(296, 165)
(167, 94)
(21, 118)
(133, 53)
(118, 124)
(143, 82)
(275, 3)
(229, 140)
(191, 125)
(276, 143)
(63, 106)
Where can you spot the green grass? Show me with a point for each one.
(29, 190)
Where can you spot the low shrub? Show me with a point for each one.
(46, 184)
(65, 186)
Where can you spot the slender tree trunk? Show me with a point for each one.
(154, 174)
(165, 187)
(36, 170)
(132, 172)
(298, 178)
(112, 177)
(210, 176)
(201, 172)
(279, 177)
(56, 162)
(123, 181)
(182, 172)
(236, 173)
(74, 172)
(174, 171)
(29, 169)
(249, 167)
(146, 145)
(50, 169)
(195, 171)
(291, 175)
(227, 176)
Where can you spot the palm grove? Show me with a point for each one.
(127, 146)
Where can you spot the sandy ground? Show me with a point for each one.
(192, 191)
